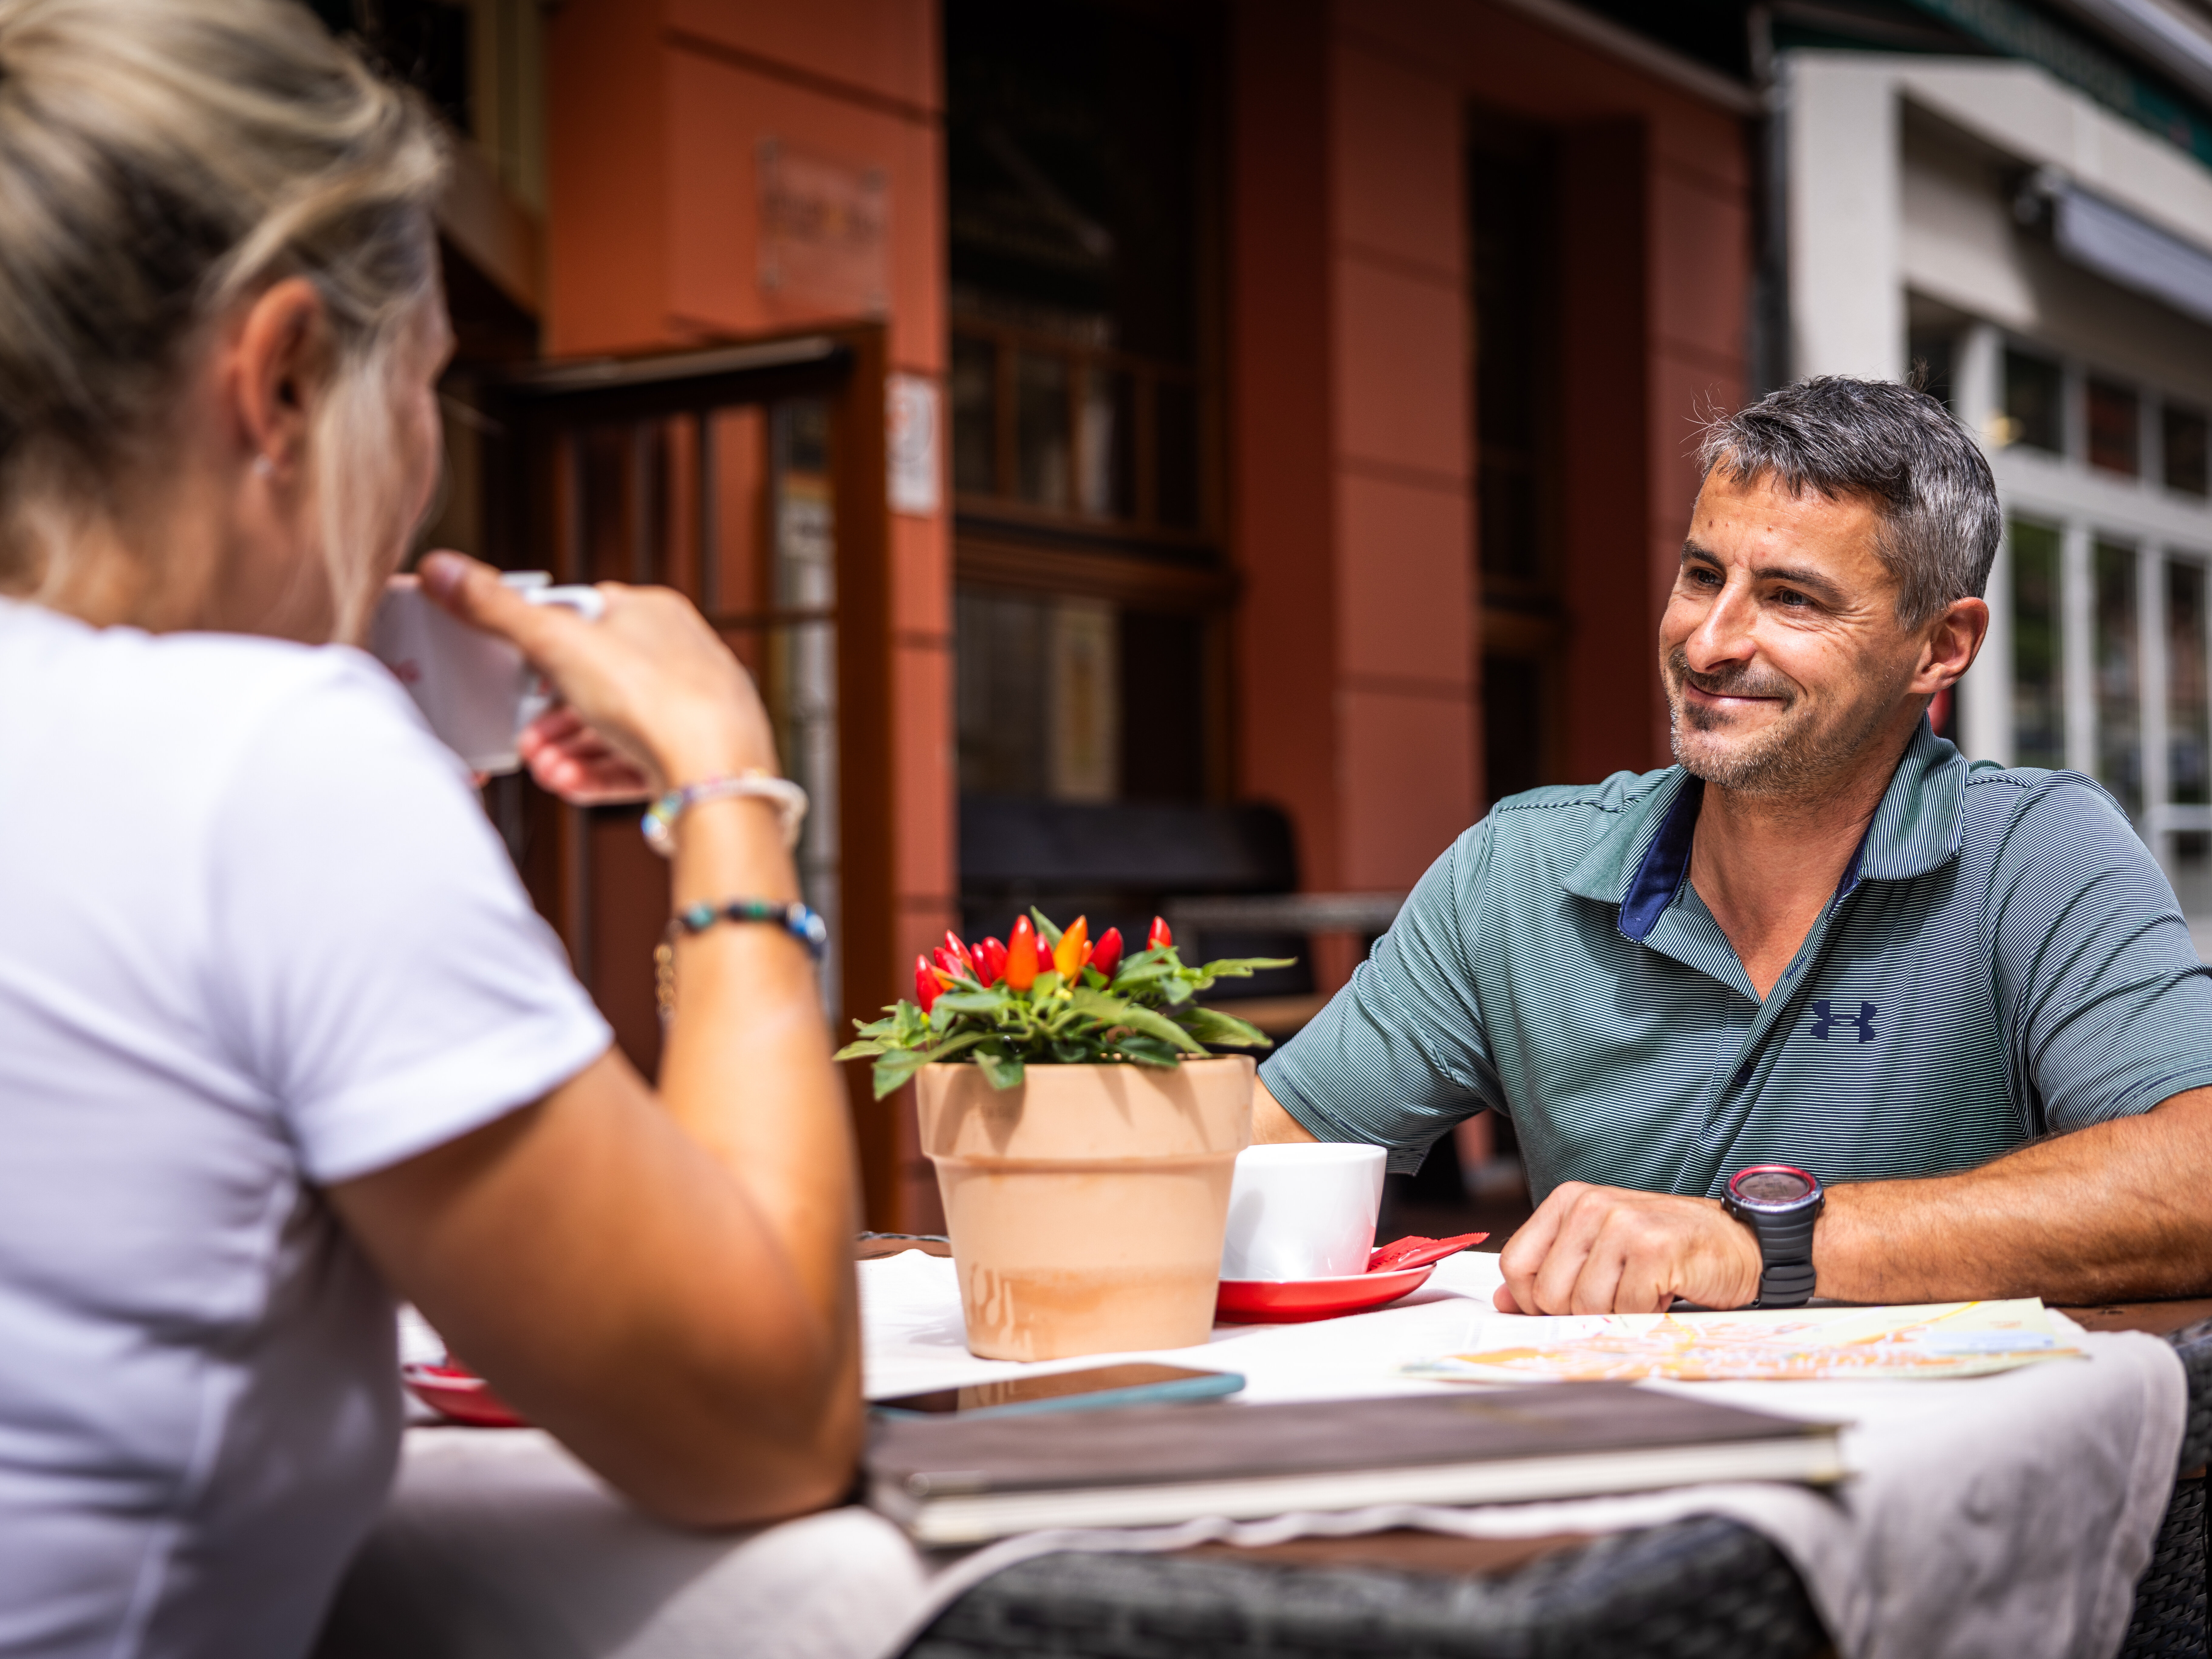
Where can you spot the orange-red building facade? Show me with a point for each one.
(1346, 423)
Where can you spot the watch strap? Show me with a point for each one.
(1785, 1251)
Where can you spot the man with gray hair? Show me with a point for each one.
(1821, 1006)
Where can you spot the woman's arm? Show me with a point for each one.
(665, 1282)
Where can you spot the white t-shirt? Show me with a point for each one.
(256, 936)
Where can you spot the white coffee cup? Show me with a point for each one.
(1303, 1211)
(473, 687)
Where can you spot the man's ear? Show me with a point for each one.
(1952, 642)
(280, 357)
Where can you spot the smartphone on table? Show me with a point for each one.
(1101, 1387)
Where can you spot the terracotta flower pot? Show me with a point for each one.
(1087, 1206)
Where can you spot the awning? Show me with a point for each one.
(2121, 247)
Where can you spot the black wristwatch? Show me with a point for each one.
(1779, 1204)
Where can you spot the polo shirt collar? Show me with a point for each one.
(1640, 860)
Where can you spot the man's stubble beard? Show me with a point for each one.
(1796, 754)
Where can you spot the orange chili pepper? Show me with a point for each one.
(1073, 949)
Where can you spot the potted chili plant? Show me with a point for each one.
(1083, 1132)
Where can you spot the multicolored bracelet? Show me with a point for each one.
(796, 919)
(787, 796)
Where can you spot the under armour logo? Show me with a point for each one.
(1825, 1021)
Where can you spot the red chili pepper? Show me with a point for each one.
(963, 961)
(991, 961)
(925, 988)
(1022, 957)
(1106, 955)
(1159, 938)
(950, 967)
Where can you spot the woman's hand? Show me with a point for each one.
(652, 698)
(570, 760)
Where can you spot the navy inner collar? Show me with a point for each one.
(1666, 865)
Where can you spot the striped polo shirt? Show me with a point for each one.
(2001, 961)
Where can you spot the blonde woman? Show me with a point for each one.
(280, 1036)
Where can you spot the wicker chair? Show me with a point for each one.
(1689, 1589)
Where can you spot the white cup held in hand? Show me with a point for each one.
(472, 687)
(1303, 1211)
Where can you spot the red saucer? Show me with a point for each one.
(1290, 1300)
(461, 1394)
(1415, 1251)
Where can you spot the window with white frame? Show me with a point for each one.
(2101, 625)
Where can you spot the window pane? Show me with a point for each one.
(2115, 427)
(1085, 678)
(1041, 427)
(2185, 446)
(2038, 736)
(974, 416)
(1512, 724)
(1107, 477)
(1931, 357)
(2119, 714)
(1163, 733)
(1175, 412)
(999, 645)
(1512, 194)
(2192, 872)
(2188, 713)
(798, 666)
(1506, 509)
(2033, 394)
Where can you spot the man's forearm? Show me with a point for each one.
(1271, 1123)
(2119, 1210)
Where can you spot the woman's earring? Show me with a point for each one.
(264, 467)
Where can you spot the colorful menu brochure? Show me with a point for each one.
(1940, 1339)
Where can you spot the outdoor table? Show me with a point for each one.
(1701, 1585)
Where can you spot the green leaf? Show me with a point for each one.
(1178, 990)
(1220, 1030)
(1146, 1052)
(1000, 1071)
(1047, 930)
(973, 1002)
(1143, 972)
(1117, 1011)
(862, 1049)
(945, 1051)
(895, 1070)
(1245, 967)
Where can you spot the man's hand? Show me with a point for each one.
(1610, 1249)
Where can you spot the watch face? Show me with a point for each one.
(1772, 1186)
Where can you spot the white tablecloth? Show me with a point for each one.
(2006, 1515)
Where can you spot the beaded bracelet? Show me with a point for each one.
(796, 919)
(787, 796)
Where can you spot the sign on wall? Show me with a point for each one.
(915, 446)
(825, 232)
